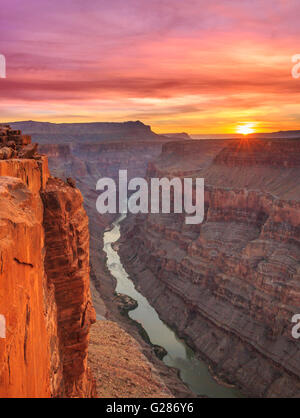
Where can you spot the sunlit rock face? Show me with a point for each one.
(44, 297)
(25, 353)
(230, 285)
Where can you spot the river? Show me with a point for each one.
(193, 371)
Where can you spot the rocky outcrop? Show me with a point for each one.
(44, 291)
(120, 368)
(230, 286)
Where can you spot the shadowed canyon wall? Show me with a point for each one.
(230, 285)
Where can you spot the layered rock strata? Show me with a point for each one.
(86, 163)
(230, 285)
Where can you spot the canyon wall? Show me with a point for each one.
(86, 163)
(27, 363)
(67, 267)
(87, 152)
(44, 282)
(230, 285)
(44, 277)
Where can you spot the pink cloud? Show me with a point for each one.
(85, 52)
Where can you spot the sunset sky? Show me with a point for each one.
(178, 65)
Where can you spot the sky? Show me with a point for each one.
(178, 65)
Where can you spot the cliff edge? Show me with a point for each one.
(44, 278)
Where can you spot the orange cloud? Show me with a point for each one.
(176, 65)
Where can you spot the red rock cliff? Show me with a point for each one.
(67, 267)
(44, 290)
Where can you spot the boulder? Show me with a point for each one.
(28, 151)
(6, 153)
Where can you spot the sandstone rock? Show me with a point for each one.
(25, 299)
(11, 144)
(33, 173)
(47, 315)
(5, 153)
(71, 182)
(159, 351)
(125, 303)
(9, 135)
(29, 151)
(67, 268)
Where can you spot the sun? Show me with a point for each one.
(245, 129)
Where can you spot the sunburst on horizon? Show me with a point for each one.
(245, 128)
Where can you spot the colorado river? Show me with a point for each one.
(193, 372)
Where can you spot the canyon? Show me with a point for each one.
(45, 294)
(228, 286)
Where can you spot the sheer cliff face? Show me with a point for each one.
(25, 353)
(230, 285)
(46, 324)
(67, 267)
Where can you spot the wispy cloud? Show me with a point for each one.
(174, 64)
